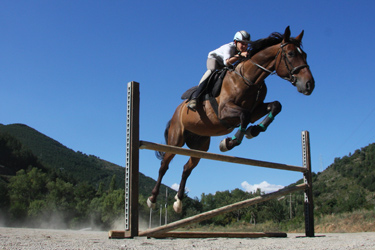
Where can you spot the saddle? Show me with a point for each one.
(212, 89)
(212, 86)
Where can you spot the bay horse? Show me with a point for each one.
(241, 102)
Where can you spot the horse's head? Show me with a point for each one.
(291, 63)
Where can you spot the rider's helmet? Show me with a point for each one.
(241, 36)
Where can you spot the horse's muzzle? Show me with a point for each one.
(305, 87)
(310, 85)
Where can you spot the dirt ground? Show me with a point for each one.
(26, 238)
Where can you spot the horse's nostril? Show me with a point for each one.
(310, 86)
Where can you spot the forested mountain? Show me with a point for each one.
(40, 177)
(83, 167)
(347, 184)
(42, 181)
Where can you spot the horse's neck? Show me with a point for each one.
(266, 59)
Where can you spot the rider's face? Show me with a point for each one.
(241, 46)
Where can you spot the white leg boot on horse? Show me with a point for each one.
(177, 205)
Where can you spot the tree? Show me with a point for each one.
(4, 197)
(83, 194)
(112, 185)
(112, 206)
(19, 195)
(60, 198)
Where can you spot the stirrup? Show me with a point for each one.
(192, 104)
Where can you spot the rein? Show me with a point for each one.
(248, 82)
(288, 65)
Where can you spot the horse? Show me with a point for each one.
(240, 102)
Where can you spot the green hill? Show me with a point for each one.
(41, 180)
(90, 168)
(347, 184)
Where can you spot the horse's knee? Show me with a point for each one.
(275, 108)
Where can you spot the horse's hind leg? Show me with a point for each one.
(199, 143)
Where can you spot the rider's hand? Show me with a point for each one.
(244, 54)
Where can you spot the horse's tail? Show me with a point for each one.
(160, 155)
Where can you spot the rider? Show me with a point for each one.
(221, 57)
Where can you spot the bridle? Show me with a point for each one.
(289, 66)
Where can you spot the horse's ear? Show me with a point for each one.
(286, 35)
(299, 37)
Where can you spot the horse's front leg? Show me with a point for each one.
(271, 110)
(234, 111)
(151, 201)
(189, 166)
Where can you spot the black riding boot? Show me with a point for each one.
(201, 87)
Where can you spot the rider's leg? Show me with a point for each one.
(212, 65)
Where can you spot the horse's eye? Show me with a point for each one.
(291, 54)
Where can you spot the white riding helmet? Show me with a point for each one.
(242, 36)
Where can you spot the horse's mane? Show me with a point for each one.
(274, 38)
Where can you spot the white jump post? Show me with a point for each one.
(133, 144)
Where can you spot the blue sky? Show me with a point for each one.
(65, 65)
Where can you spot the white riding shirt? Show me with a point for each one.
(223, 53)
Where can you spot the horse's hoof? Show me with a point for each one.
(251, 132)
(223, 145)
(177, 205)
(248, 134)
(150, 204)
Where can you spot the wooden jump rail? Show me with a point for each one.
(160, 231)
(216, 157)
(133, 144)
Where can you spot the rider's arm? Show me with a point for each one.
(232, 60)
